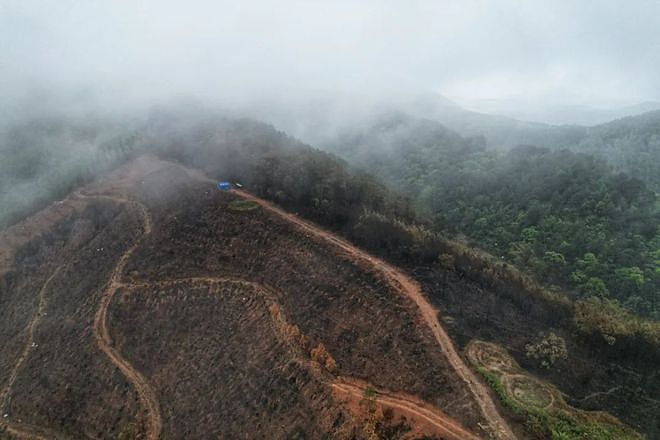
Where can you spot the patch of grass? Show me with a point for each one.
(243, 205)
(531, 393)
(369, 392)
(497, 385)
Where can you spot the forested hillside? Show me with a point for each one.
(45, 157)
(630, 144)
(570, 219)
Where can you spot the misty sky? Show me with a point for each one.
(595, 52)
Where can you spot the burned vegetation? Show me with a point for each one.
(164, 309)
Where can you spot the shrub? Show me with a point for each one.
(547, 350)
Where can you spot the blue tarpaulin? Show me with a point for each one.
(224, 186)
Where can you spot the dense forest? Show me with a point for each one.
(570, 219)
(630, 144)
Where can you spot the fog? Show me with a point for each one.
(603, 54)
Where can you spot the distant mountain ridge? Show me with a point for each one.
(559, 114)
(630, 144)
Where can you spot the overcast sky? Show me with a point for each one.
(595, 52)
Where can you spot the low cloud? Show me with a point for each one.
(131, 51)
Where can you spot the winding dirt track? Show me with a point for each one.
(600, 393)
(411, 289)
(409, 406)
(28, 432)
(413, 409)
(147, 397)
(4, 393)
(406, 286)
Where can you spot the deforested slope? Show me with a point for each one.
(162, 308)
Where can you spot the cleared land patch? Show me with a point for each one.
(416, 418)
(206, 387)
(63, 387)
(175, 316)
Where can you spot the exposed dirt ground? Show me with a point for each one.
(409, 288)
(422, 417)
(151, 309)
(61, 385)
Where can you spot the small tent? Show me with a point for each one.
(224, 186)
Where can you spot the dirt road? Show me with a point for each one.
(148, 400)
(428, 419)
(409, 407)
(411, 289)
(29, 343)
(26, 432)
(11, 240)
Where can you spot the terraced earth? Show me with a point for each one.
(543, 405)
(151, 305)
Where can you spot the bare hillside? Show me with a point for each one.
(160, 307)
